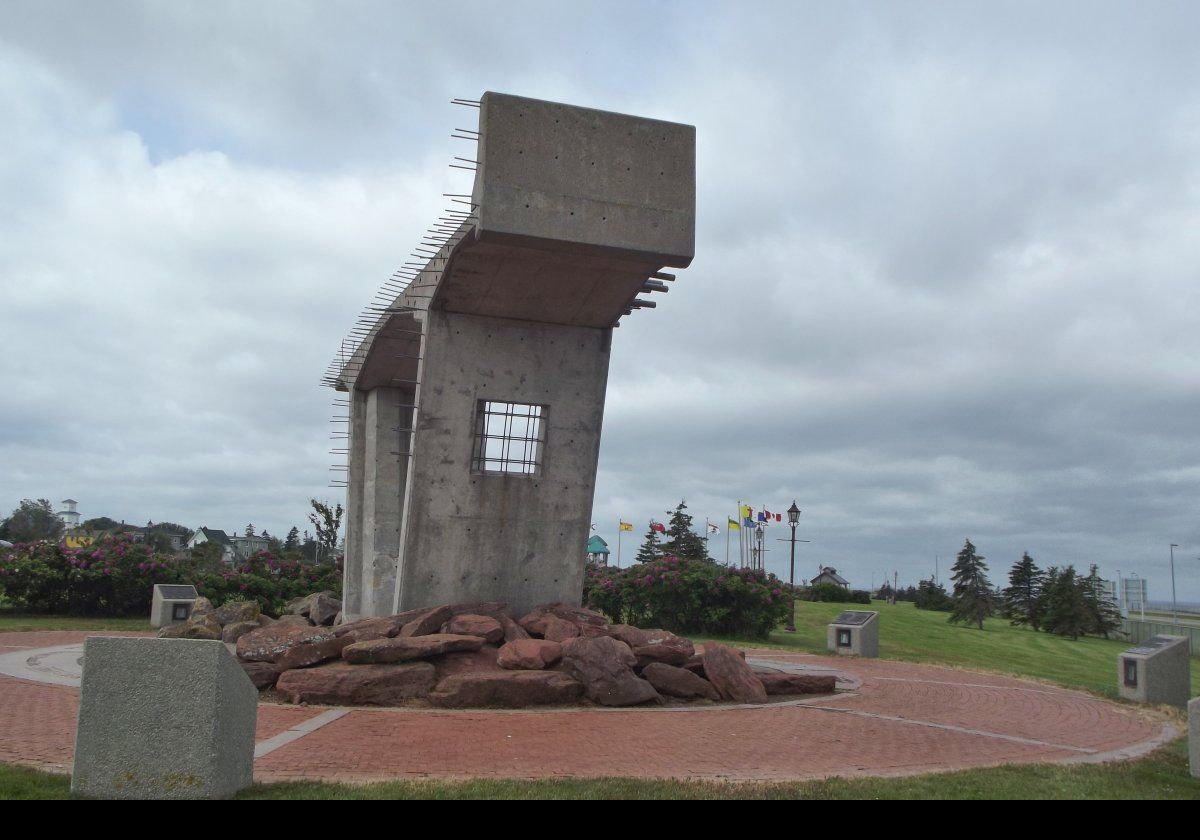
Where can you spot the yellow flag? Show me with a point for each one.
(733, 526)
(626, 526)
(746, 512)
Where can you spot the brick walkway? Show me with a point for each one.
(904, 719)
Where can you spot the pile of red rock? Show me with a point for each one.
(229, 622)
(478, 656)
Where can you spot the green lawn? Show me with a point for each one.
(905, 634)
(1161, 775)
(13, 621)
(914, 635)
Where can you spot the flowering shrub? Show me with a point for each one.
(116, 576)
(689, 596)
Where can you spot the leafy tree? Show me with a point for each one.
(1104, 617)
(31, 521)
(328, 522)
(931, 595)
(1022, 598)
(681, 540)
(651, 549)
(101, 523)
(973, 598)
(1064, 605)
(292, 542)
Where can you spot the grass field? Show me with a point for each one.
(13, 621)
(905, 634)
(1161, 775)
(914, 635)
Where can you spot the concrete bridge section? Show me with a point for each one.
(477, 396)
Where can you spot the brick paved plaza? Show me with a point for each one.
(903, 719)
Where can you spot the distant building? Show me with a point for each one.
(69, 515)
(597, 550)
(247, 547)
(830, 575)
(214, 535)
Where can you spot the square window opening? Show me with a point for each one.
(843, 638)
(1131, 669)
(180, 612)
(509, 438)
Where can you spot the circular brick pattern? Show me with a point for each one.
(901, 719)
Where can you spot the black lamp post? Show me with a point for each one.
(793, 520)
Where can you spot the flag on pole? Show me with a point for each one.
(713, 529)
(658, 526)
(733, 524)
(626, 526)
(746, 512)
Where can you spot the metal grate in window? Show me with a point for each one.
(509, 438)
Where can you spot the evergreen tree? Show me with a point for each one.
(32, 521)
(651, 547)
(681, 540)
(1022, 598)
(930, 595)
(250, 530)
(1064, 606)
(1104, 617)
(292, 542)
(973, 598)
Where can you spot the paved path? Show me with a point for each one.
(901, 719)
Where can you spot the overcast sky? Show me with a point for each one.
(945, 282)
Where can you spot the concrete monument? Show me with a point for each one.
(171, 604)
(1157, 671)
(476, 396)
(163, 719)
(854, 633)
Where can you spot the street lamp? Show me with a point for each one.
(793, 520)
(1174, 606)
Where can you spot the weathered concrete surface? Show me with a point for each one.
(162, 608)
(1163, 672)
(1194, 737)
(864, 638)
(163, 719)
(577, 208)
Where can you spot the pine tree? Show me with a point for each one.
(651, 547)
(1104, 617)
(973, 599)
(1064, 605)
(1022, 598)
(681, 540)
(292, 542)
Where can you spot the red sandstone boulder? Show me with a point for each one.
(262, 674)
(230, 633)
(406, 648)
(289, 645)
(730, 676)
(468, 662)
(512, 630)
(605, 667)
(507, 689)
(237, 612)
(626, 633)
(492, 609)
(468, 624)
(322, 608)
(373, 685)
(776, 682)
(535, 621)
(557, 629)
(427, 622)
(664, 647)
(529, 654)
(294, 620)
(368, 629)
(678, 682)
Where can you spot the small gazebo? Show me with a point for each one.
(597, 550)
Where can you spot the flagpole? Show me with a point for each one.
(620, 531)
(726, 540)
